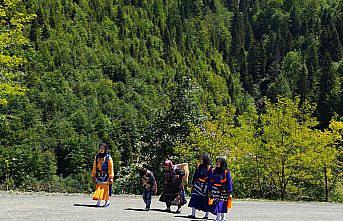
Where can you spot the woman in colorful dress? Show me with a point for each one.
(173, 188)
(220, 189)
(102, 174)
(199, 198)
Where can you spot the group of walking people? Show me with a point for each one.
(211, 185)
(211, 188)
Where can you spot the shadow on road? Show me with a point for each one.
(143, 210)
(85, 205)
(156, 210)
(192, 219)
(160, 210)
(134, 209)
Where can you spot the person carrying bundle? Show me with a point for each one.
(173, 192)
(102, 174)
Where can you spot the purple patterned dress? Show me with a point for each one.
(220, 188)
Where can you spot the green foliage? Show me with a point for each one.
(12, 40)
(277, 154)
(108, 71)
(293, 152)
(148, 76)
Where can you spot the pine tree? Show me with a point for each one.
(327, 91)
(238, 34)
(329, 38)
(256, 62)
(295, 22)
(312, 64)
(295, 73)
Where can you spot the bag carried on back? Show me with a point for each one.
(184, 167)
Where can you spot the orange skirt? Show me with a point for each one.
(102, 192)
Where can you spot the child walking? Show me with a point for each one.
(149, 186)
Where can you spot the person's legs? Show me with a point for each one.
(218, 216)
(206, 215)
(178, 209)
(168, 204)
(106, 195)
(107, 203)
(148, 200)
(96, 195)
(98, 203)
(222, 216)
(193, 213)
(144, 195)
(181, 202)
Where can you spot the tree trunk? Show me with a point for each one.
(326, 185)
(260, 194)
(283, 186)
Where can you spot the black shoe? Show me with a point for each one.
(178, 211)
(205, 217)
(147, 208)
(167, 210)
(191, 216)
(106, 205)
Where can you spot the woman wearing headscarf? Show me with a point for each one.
(102, 174)
(199, 198)
(173, 188)
(220, 189)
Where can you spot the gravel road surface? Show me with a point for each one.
(42, 206)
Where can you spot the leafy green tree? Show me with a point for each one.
(12, 40)
(173, 126)
(290, 143)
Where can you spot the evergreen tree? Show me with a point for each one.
(327, 93)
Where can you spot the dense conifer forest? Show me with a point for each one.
(259, 81)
